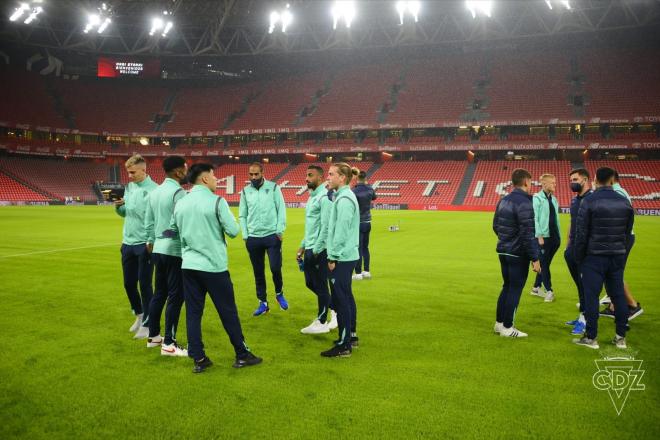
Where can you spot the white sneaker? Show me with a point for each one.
(315, 328)
(357, 277)
(142, 333)
(550, 296)
(136, 325)
(173, 350)
(156, 341)
(537, 291)
(512, 332)
(333, 320)
(605, 300)
(498, 327)
(366, 275)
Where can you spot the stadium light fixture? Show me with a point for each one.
(564, 3)
(285, 17)
(158, 23)
(36, 11)
(18, 12)
(343, 10)
(412, 7)
(99, 20)
(479, 6)
(104, 25)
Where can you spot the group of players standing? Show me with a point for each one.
(183, 234)
(599, 241)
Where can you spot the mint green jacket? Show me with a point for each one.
(201, 220)
(317, 212)
(133, 209)
(344, 227)
(262, 211)
(158, 216)
(542, 214)
(618, 188)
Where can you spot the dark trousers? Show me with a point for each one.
(169, 287)
(607, 269)
(257, 248)
(514, 277)
(138, 269)
(221, 290)
(343, 301)
(365, 257)
(316, 280)
(548, 251)
(574, 269)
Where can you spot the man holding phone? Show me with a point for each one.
(135, 257)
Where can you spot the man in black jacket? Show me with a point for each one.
(603, 226)
(516, 245)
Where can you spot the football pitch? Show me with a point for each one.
(428, 365)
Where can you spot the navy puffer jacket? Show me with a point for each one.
(604, 222)
(514, 225)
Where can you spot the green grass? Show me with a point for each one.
(428, 365)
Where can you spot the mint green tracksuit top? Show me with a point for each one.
(202, 219)
(133, 209)
(344, 227)
(262, 212)
(317, 214)
(158, 216)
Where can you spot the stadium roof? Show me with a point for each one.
(240, 27)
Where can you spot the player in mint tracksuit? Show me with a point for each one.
(312, 250)
(166, 256)
(342, 248)
(135, 258)
(262, 216)
(202, 219)
(546, 227)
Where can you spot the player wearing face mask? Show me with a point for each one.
(579, 178)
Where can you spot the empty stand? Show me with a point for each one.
(491, 178)
(62, 178)
(13, 191)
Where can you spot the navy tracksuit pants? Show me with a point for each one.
(574, 270)
(137, 269)
(196, 284)
(169, 287)
(316, 280)
(343, 300)
(363, 247)
(597, 270)
(257, 248)
(514, 277)
(548, 251)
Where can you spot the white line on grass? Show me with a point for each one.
(52, 251)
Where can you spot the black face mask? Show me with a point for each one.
(256, 182)
(576, 187)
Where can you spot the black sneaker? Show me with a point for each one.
(355, 342)
(337, 351)
(202, 365)
(635, 312)
(246, 360)
(607, 312)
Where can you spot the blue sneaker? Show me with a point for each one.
(262, 309)
(579, 328)
(282, 301)
(573, 322)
